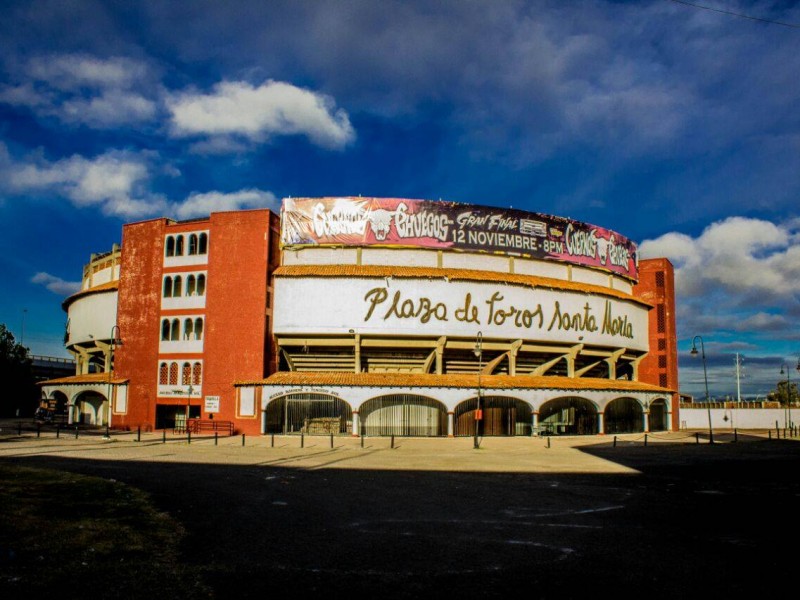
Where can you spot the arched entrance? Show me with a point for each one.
(90, 408)
(308, 413)
(502, 416)
(659, 415)
(624, 415)
(403, 415)
(568, 416)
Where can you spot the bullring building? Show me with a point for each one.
(374, 316)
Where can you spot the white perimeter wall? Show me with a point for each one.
(738, 418)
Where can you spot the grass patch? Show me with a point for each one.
(74, 534)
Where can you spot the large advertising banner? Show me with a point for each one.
(399, 222)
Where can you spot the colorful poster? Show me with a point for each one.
(398, 222)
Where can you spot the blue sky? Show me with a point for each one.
(674, 125)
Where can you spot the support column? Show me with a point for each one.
(356, 431)
(450, 421)
(647, 421)
(534, 421)
(601, 426)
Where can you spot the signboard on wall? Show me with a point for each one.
(212, 404)
(400, 222)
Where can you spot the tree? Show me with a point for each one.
(779, 394)
(18, 393)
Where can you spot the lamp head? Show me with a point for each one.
(694, 350)
(787, 370)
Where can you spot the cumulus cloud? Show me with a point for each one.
(239, 110)
(81, 89)
(199, 205)
(740, 275)
(56, 284)
(114, 182)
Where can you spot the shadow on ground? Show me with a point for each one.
(695, 520)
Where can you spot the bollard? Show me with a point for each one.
(38, 430)
(331, 441)
(392, 441)
(215, 438)
(58, 431)
(615, 441)
(139, 433)
(189, 435)
(242, 440)
(302, 440)
(548, 441)
(696, 437)
(769, 434)
(362, 440)
(108, 432)
(272, 441)
(645, 440)
(735, 435)
(164, 436)
(76, 432)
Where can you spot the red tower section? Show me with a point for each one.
(660, 367)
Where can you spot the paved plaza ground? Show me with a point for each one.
(568, 517)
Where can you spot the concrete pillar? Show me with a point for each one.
(535, 420)
(601, 426)
(450, 422)
(356, 425)
(647, 421)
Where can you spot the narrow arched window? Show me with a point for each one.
(177, 287)
(163, 374)
(173, 373)
(168, 287)
(175, 330)
(170, 246)
(198, 329)
(165, 329)
(179, 246)
(193, 244)
(186, 374)
(201, 285)
(197, 371)
(203, 249)
(188, 329)
(191, 286)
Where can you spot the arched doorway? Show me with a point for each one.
(403, 415)
(308, 413)
(568, 416)
(624, 415)
(502, 416)
(659, 416)
(90, 408)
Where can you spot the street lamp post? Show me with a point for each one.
(478, 351)
(705, 377)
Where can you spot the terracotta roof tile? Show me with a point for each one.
(504, 382)
(369, 271)
(84, 379)
(103, 287)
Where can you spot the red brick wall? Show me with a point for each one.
(138, 313)
(660, 367)
(237, 344)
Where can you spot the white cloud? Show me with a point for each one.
(85, 90)
(237, 109)
(740, 275)
(199, 205)
(115, 181)
(56, 284)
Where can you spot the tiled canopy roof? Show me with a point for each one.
(85, 379)
(368, 271)
(499, 382)
(103, 287)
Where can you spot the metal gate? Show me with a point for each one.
(309, 413)
(568, 416)
(501, 416)
(403, 415)
(624, 415)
